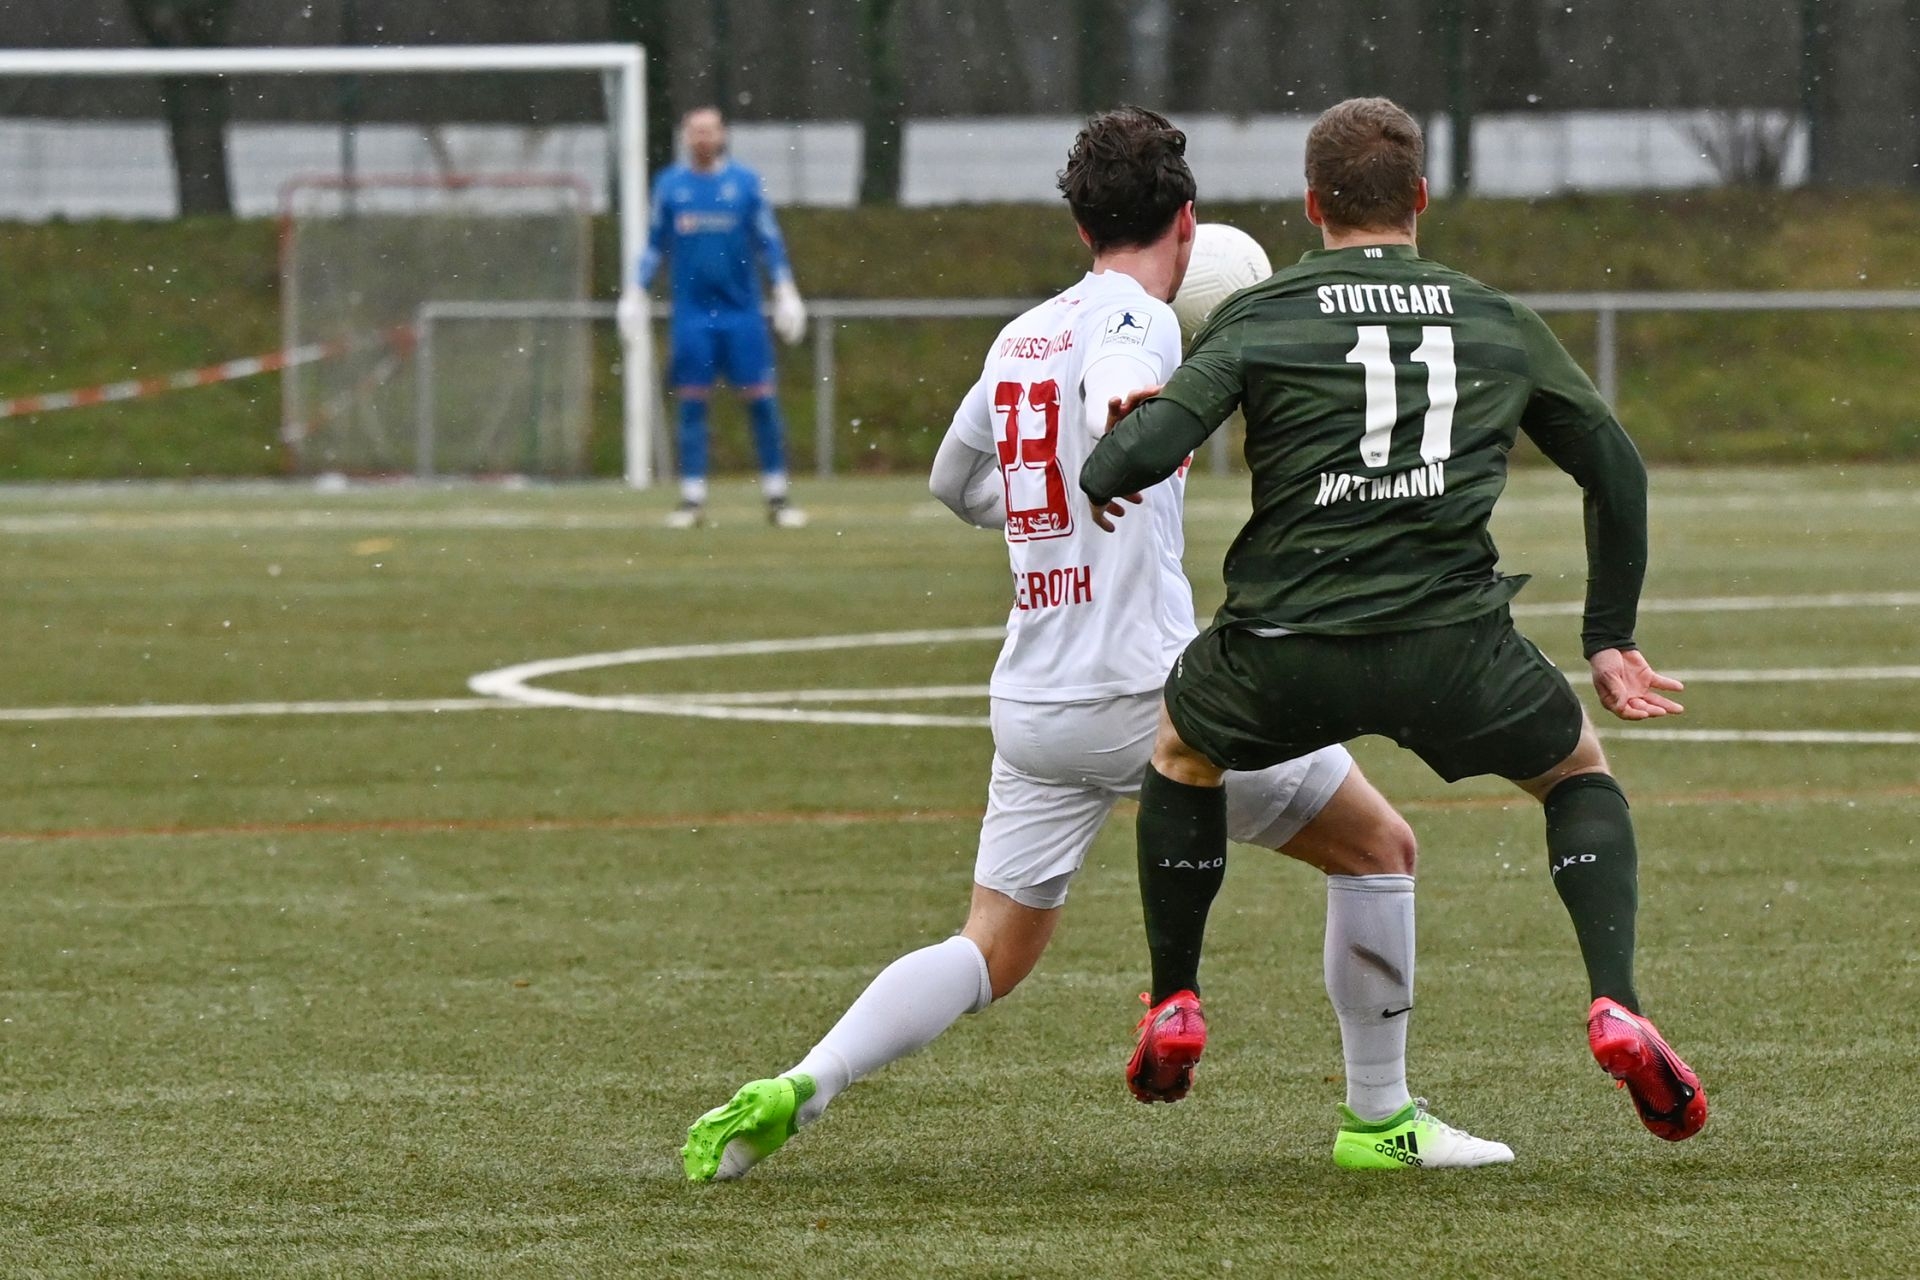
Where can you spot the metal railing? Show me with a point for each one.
(827, 315)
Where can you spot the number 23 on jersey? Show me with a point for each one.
(1029, 448)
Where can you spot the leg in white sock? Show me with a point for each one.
(1369, 973)
(911, 1002)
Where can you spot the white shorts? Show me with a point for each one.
(1059, 767)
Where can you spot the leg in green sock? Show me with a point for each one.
(1595, 868)
(1182, 839)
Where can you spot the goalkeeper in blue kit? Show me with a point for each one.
(711, 219)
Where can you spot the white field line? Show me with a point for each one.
(512, 687)
(779, 706)
(1794, 675)
(210, 710)
(1738, 604)
(515, 682)
(508, 681)
(1678, 504)
(1783, 737)
(778, 697)
(645, 516)
(378, 520)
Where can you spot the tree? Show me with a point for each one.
(644, 22)
(1101, 28)
(1745, 148)
(195, 106)
(1816, 87)
(1460, 96)
(882, 134)
(1913, 90)
(1195, 40)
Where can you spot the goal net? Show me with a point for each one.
(454, 314)
(439, 210)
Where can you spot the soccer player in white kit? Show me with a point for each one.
(1098, 618)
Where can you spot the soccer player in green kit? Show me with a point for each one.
(1382, 393)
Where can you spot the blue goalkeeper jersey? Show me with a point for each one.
(713, 226)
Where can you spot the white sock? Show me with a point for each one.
(1369, 972)
(912, 1001)
(694, 491)
(773, 485)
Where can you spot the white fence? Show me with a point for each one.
(121, 169)
(828, 314)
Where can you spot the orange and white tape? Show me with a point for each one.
(227, 371)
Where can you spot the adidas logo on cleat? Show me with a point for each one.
(1405, 1148)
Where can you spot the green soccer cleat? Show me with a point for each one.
(1412, 1138)
(756, 1122)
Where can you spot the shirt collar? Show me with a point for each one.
(1113, 280)
(1405, 252)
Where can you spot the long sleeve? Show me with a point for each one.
(767, 240)
(1149, 445)
(1608, 469)
(966, 470)
(1573, 426)
(968, 482)
(659, 232)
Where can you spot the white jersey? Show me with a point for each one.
(1095, 614)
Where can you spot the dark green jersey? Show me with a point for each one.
(1382, 393)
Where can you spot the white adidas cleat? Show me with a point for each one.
(781, 515)
(1412, 1138)
(687, 515)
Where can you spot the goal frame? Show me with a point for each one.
(623, 71)
(428, 313)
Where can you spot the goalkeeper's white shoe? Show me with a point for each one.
(687, 515)
(1414, 1138)
(782, 514)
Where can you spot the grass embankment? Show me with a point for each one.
(91, 302)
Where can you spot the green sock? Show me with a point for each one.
(1596, 870)
(1182, 836)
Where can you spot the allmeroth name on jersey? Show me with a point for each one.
(1386, 299)
(1053, 588)
(1429, 481)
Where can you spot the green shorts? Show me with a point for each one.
(1469, 698)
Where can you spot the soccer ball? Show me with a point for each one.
(1225, 260)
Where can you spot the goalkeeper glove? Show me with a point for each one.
(789, 313)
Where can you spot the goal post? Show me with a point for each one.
(623, 71)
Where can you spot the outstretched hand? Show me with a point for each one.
(1120, 406)
(1630, 688)
(1104, 516)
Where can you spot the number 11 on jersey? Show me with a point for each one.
(1375, 357)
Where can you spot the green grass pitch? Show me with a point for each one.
(437, 992)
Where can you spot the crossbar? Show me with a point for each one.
(316, 60)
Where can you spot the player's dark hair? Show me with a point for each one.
(1365, 159)
(1127, 178)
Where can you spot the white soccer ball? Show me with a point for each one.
(1225, 260)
